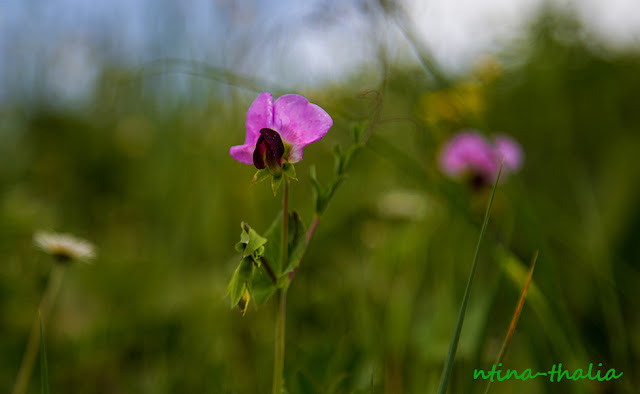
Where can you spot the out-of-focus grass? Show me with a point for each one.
(376, 297)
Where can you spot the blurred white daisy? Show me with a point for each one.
(64, 247)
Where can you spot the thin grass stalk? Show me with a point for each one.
(46, 303)
(453, 347)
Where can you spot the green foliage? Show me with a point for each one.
(322, 195)
(259, 272)
(240, 281)
(261, 175)
(289, 170)
(276, 181)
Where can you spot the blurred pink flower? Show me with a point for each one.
(511, 151)
(469, 154)
(279, 131)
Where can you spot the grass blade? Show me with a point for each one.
(453, 347)
(516, 316)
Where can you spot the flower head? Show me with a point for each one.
(511, 151)
(469, 154)
(278, 132)
(64, 247)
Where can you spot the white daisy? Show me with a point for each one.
(64, 247)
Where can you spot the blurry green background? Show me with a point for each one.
(144, 173)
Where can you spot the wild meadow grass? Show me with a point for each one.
(374, 304)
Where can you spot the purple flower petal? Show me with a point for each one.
(296, 121)
(299, 123)
(243, 153)
(469, 152)
(259, 116)
(511, 151)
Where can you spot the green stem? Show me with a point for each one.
(312, 229)
(46, 303)
(278, 364)
(285, 225)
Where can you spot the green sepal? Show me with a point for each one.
(244, 234)
(275, 183)
(255, 247)
(251, 243)
(289, 171)
(240, 281)
(256, 256)
(243, 304)
(260, 175)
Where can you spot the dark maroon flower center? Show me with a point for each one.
(269, 151)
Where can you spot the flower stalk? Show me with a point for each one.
(278, 363)
(33, 344)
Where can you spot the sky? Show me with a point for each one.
(61, 45)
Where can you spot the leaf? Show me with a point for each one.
(321, 195)
(289, 171)
(244, 235)
(343, 158)
(262, 286)
(272, 248)
(515, 317)
(297, 242)
(251, 243)
(257, 254)
(244, 301)
(256, 243)
(453, 345)
(516, 313)
(348, 155)
(297, 234)
(305, 385)
(275, 183)
(260, 175)
(358, 131)
(239, 281)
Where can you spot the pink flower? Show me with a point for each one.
(278, 132)
(469, 154)
(511, 151)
